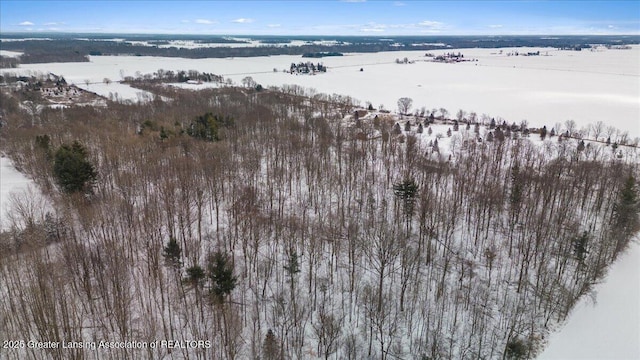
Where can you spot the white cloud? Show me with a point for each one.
(432, 25)
(242, 21)
(26, 23)
(496, 26)
(424, 27)
(204, 21)
(274, 25)
(372, 30)
(399, 3)
(53, 23)
(373, 27)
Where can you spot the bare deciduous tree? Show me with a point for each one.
(404, 104)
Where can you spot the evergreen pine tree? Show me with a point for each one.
(406, 191)
(220, 272)
(172, 253)
(163, 133)
(195, 275)
(73, 172)
(293, 266)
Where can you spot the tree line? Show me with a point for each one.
(69, 48)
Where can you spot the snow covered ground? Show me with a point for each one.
(8, 53)
(115, 90)
(246, 42)
(607, 325)
(190, 86)
(585, 86)
(11, 181)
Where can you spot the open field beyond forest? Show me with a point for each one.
(584, 86)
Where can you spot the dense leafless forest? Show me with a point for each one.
(291, 230)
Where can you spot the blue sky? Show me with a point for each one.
(347, 17)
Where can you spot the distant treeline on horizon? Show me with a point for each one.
(60, 47)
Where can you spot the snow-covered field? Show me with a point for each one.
(191, 86)
(8, 53)
(246, 42)
(11, 182)
(607, 325)
(116, 90)
(585, 86)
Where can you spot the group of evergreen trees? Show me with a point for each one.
(306, 68)
(206, 127)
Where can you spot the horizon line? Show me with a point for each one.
(293, 34)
